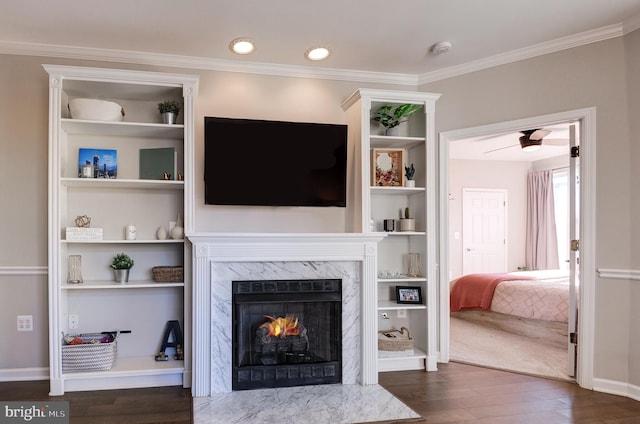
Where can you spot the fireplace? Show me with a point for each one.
(286, 333)
(221, 259)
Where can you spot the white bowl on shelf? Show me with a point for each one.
(95, 110)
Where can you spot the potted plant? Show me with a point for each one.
(409, 172)
(406, 222)
(391, 116)
(169, 110)
(121, 265)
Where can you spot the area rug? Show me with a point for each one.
(475, 344)
(322, 404)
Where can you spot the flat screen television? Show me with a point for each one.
(251, 162)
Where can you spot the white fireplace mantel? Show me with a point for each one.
(210, 249)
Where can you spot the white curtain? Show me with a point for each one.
(541, 239)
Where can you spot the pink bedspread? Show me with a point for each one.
(475, 291)
(542, 295)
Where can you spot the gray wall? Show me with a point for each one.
(632, 49)
(592, 75)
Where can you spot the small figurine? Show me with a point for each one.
(83, 221)
(166, 175)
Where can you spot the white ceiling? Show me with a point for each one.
(378, 36)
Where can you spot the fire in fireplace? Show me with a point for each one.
(286, 333)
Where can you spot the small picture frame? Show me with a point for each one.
(387, 167)
(409, 295)
(102, 162)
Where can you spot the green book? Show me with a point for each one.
(158, 164)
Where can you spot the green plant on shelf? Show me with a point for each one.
(169, 106)
(122, 261)
(391, 116)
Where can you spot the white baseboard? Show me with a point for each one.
(24, 374)
(616, 388)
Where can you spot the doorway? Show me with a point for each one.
(585, 118)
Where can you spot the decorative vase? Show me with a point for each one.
(177, 232)
(413, 265)
(407, 224)
(393, 131)
(161, 234)
(121, 275)
(169, 118)
(410, 183)
(74, 275)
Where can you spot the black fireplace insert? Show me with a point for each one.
(286, 333)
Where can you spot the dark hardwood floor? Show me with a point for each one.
(456, 393)
(459, 393)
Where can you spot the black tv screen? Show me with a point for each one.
(252, 162)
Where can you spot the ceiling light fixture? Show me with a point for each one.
(242, 46)
(441, 47)
(529, 145)
(317, 53)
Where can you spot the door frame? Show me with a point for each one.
(586, 118)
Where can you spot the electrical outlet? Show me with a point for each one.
(74, 321)
(25, 322)
(402, 313)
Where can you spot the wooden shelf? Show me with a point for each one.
(391, 305)
(402, 280)
(112, 285)
(122, 129)
(397, 190)
(395, 141)
(151, 241)
(132, 366)
(115, 183)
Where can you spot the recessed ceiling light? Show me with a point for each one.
(317, 53)
(242, 46)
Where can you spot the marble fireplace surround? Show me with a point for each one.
(219, 259)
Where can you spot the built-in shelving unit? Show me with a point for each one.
(370, 204)
(142, 305)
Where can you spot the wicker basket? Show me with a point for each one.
(168, 274)
(89, 356)
(394, 340)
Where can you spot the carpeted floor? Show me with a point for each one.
(479, 345)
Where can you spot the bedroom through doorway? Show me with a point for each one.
(524, 327)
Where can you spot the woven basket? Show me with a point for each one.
(394, 340)
(168, 274)
(89, 356)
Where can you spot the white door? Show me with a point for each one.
(574, 256)
(484, 235)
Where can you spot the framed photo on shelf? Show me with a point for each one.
(409, 295)
(387, 167)
(102, 163)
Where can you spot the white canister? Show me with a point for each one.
(130, 232)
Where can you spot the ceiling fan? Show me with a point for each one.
(531, 140)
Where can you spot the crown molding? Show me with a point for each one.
(632, 24)
(193, 62)
(201, 63)
(576, 40)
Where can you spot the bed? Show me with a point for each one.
(531, 303)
